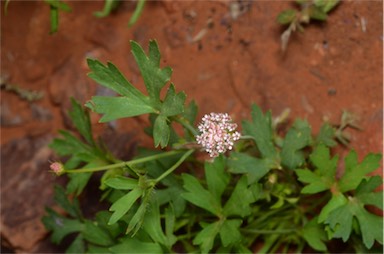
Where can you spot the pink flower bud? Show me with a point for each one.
(218, 133)
(57, 168)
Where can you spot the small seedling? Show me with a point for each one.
(309, 10)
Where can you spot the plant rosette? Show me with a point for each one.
(260, 187)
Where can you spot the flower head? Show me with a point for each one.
(57, 168)
(218, 133)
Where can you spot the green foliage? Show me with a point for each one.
(310, 10)
(56, 6)
(132, 102)
(280, 190)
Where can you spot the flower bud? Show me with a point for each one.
(57, 168)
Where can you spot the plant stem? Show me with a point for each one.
(175, 166)
(186, 124)
(122, 164)
(246, 137)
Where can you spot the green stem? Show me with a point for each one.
(186, 124)
(122, 164)
(246, 137)
(175, 166)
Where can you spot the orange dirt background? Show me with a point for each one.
(333, 66)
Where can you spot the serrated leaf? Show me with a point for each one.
(340, 222)
(121, 183)
(315, 182)
(229, 232)
(206, 236)
(60, 226)
(170, 219)
(254, 168)
(110, 77)
(81, 120)
(239, 202)
(260, 128)
(365, 192)
(154, 77)
(326, 135)
(122, 206)
(199, 196)
(314, 235)
(355, 173)
(173, 103)
(286, 17)
(297, 138)
(161, 131)
(136, 246)
(217, 178)
(337, 200)
(119, 107)
(137, 220)
(94, 234)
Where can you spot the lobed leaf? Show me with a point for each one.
(297, 138)
(260, 128)
(124, 204)
(199, 196)
(254, 168)
(217, 178)
(119, 107)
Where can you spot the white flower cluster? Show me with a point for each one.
(218, 133)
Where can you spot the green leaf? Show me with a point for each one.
(326, 135)
(337, 200)
(355, 173)
(94, 234)
(340, 222)
(161, 131)
(71, 207)
(326, 5)
(254, 168)
(122, 206)
(110, 77)
(173, 103)
(60, 226)
(261, 130)
(77, 246)
(316, 182)
(136, 14)
(154, 77)
(324, 176)
(317, 13)
(121, 183)
(136, 246)
(206, 236)
(152, 223)
(199, 196)
(217, 178)
(365, 192)
(239, 202)
(286, 17)
(137, 220)
(297, 138)
(170, 219)
(81, 120)
(229, 232)
(109, 6)
(118, 107)
(314, 235)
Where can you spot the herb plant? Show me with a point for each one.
(310, 10)
(279, 190)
